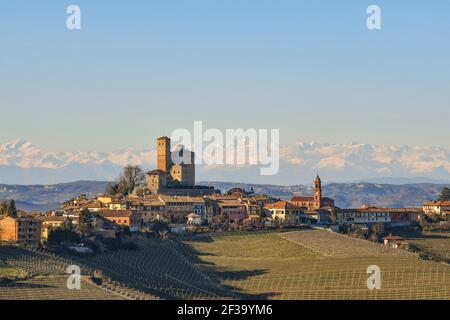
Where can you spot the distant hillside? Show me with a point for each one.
(351, 194)
(48, 197)
(400, 180)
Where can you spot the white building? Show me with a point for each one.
(369, 215)
(436, 208)
(194, 219)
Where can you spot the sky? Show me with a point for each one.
(140, 69)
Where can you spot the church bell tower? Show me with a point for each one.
(317, 192)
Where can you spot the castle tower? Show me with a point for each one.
(164, 161)
(317, 192)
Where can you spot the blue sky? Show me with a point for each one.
(140, 69)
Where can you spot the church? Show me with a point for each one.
(316, 201)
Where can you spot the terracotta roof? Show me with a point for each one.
(302, 199)
(167, 198)
(115, 213)
(52, 218)
(222, 197)
(94, 204)
(437, 203)
(381, 210)
(394, 238)
(281, 205)
(155, 202)
(198, 200)
(230, 203)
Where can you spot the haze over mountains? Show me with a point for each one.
(49, 197)
(400, 176)
(23, 163)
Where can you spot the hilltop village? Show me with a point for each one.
(171, 201)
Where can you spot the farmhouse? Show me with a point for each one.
(394, 242)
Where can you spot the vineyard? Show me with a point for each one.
(42, 276)
(434, 244)
(339, 245)
(318, 265)
(268, 265)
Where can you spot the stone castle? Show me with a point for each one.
(171, 178)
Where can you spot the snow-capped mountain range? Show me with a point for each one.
(21, 162)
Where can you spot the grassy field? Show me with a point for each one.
(53, 288)
(9, 271)
(433, 243)
(316, 265)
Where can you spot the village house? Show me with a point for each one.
(127, 218)
(49, 223)
(93, 206)
(370, 215)
(105, 198)
(240, 192)
(74, 206)
(20, 229)
(284, 212)
(195, 219)
(320, 216)
(439, 208)
(252, 207)
(151, 209)
(177, 208)
(254, 220)
(199, 205)
(231, 210)
(121, 204)
(262, 199)
(394, 242)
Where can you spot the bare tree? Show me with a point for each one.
(131, 178)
